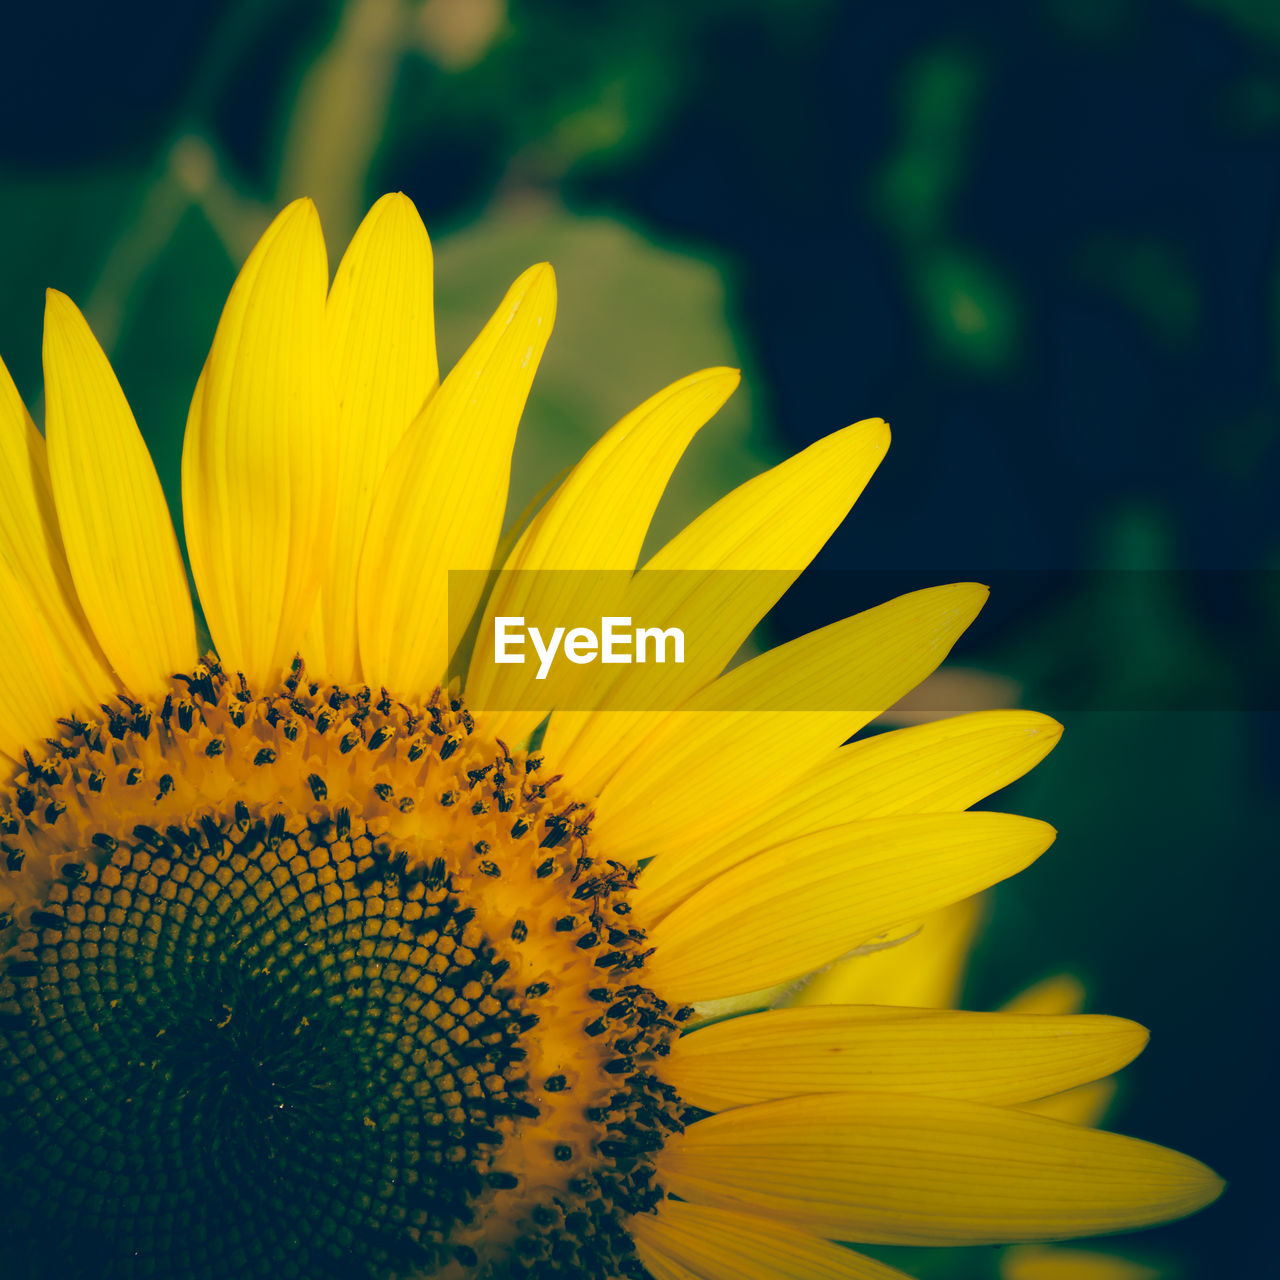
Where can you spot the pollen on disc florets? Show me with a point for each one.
(316, 983)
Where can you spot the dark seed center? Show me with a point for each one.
(253, 1053)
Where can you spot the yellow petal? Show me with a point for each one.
(32, 689)
(596, 520)
(935, 768)
(657, 804)
(599, 516)
(888, 1168)
(926, 970)
(380, 339)
(31, 545)
(987, 1057)
(1040, 1262)
(515, 530)
(788, 911)
(660, 1267)
(115, 524)
(942, 767)
(788, 994)
(1086, 1104)
(441, 501)
(259, 465)
(1062, 993)
(715, 1244)
(716, 580)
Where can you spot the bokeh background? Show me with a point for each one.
(1040, 236)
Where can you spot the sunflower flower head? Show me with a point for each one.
(313, 965)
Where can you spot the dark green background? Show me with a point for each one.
(1040, 238)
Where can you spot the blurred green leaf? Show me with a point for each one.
(53, 227)
(632, 318)
(963, 303)
(937, 104)
(969, 309)
(1260, 18)
(162, 349)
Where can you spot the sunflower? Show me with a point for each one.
(314, 969)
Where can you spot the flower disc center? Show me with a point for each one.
(313, 984)
(287, 1053)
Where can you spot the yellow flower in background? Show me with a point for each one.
(312, 971)
(1047, 1262)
